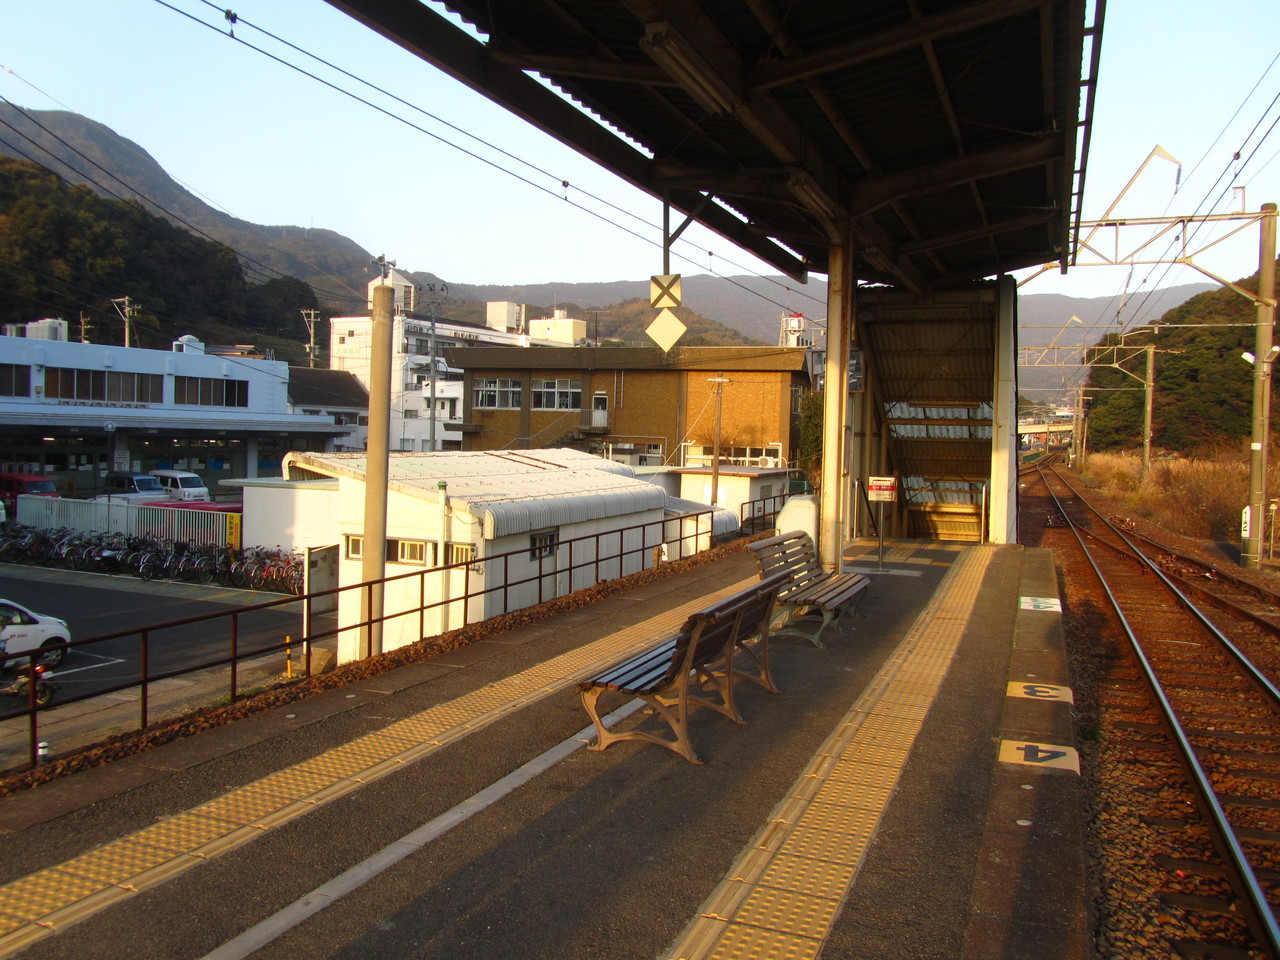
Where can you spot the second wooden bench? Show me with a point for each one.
(809, 590)
(670, 676)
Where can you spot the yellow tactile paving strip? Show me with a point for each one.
(782, 895)
(43, 902)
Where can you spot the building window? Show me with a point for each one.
(411, 414)
(543, 544)
(209, 392)
(355, 548)
(67, 383)
(497, 393)
(15, 380)
(362, 420)
(410, 551)
(460, 553)
(560, 394)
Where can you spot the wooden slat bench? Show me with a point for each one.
(810, 590)
(671, 676)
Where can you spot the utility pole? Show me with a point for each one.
(127, 310)
(1264, 355)
(85, 327)
(719, 380)
(1148, 405)
(435, 297)
(309, 317)
(377, 469)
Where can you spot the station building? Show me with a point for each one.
(638, 405)
(75, 411)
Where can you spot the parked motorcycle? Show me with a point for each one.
(20, 686)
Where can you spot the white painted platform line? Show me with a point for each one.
(257, 937)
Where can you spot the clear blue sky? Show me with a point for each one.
(272, 146)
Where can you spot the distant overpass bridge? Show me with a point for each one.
(1047, 431)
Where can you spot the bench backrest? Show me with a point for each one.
(791, 555)
(708, 634)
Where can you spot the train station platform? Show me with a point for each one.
(911, 792)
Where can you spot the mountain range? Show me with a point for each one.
(83, 151)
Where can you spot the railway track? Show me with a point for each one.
(1190, 713)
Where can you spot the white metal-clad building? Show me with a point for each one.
(450, 507)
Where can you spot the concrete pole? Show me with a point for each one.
(719, 381)
(1251, 552)
(840, 306)
(377, 456)
(1149, 393)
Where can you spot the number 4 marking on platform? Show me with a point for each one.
(1040, 755)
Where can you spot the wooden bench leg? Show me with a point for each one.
(790, 622)
(756, 649)
(674, 712)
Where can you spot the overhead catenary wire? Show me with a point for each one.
(1227, 170)
(558, 183)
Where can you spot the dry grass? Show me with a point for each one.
(1195, 498)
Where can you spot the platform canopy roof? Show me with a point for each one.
(950, 135)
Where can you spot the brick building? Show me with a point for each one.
(638, 405)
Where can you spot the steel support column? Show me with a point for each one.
(1003, 523)
(835, 426)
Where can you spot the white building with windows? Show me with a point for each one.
(75, 411)
(426, 393)
(447, 508)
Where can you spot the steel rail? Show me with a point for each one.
(1264, 927)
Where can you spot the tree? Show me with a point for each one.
(810, 445)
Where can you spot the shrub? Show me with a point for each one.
(1199, 498)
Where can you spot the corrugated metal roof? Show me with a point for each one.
(949, 134)
(722, 521)
(509, 491)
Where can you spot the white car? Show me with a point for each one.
(23, 630)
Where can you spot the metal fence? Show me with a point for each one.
(181, 524)
(276, 628)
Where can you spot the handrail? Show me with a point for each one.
(645, 537)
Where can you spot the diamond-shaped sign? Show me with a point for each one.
(664, 291)
(665, 330)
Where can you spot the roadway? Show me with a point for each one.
(102, 605)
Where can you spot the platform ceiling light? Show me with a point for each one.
(686, 66)
(813, 197)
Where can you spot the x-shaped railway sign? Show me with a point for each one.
(664, 291)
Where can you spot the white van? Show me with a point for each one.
(181, 484)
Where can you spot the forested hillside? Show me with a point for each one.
(1203, 388)
(64, 252)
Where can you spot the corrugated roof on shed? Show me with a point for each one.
(509, 491)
